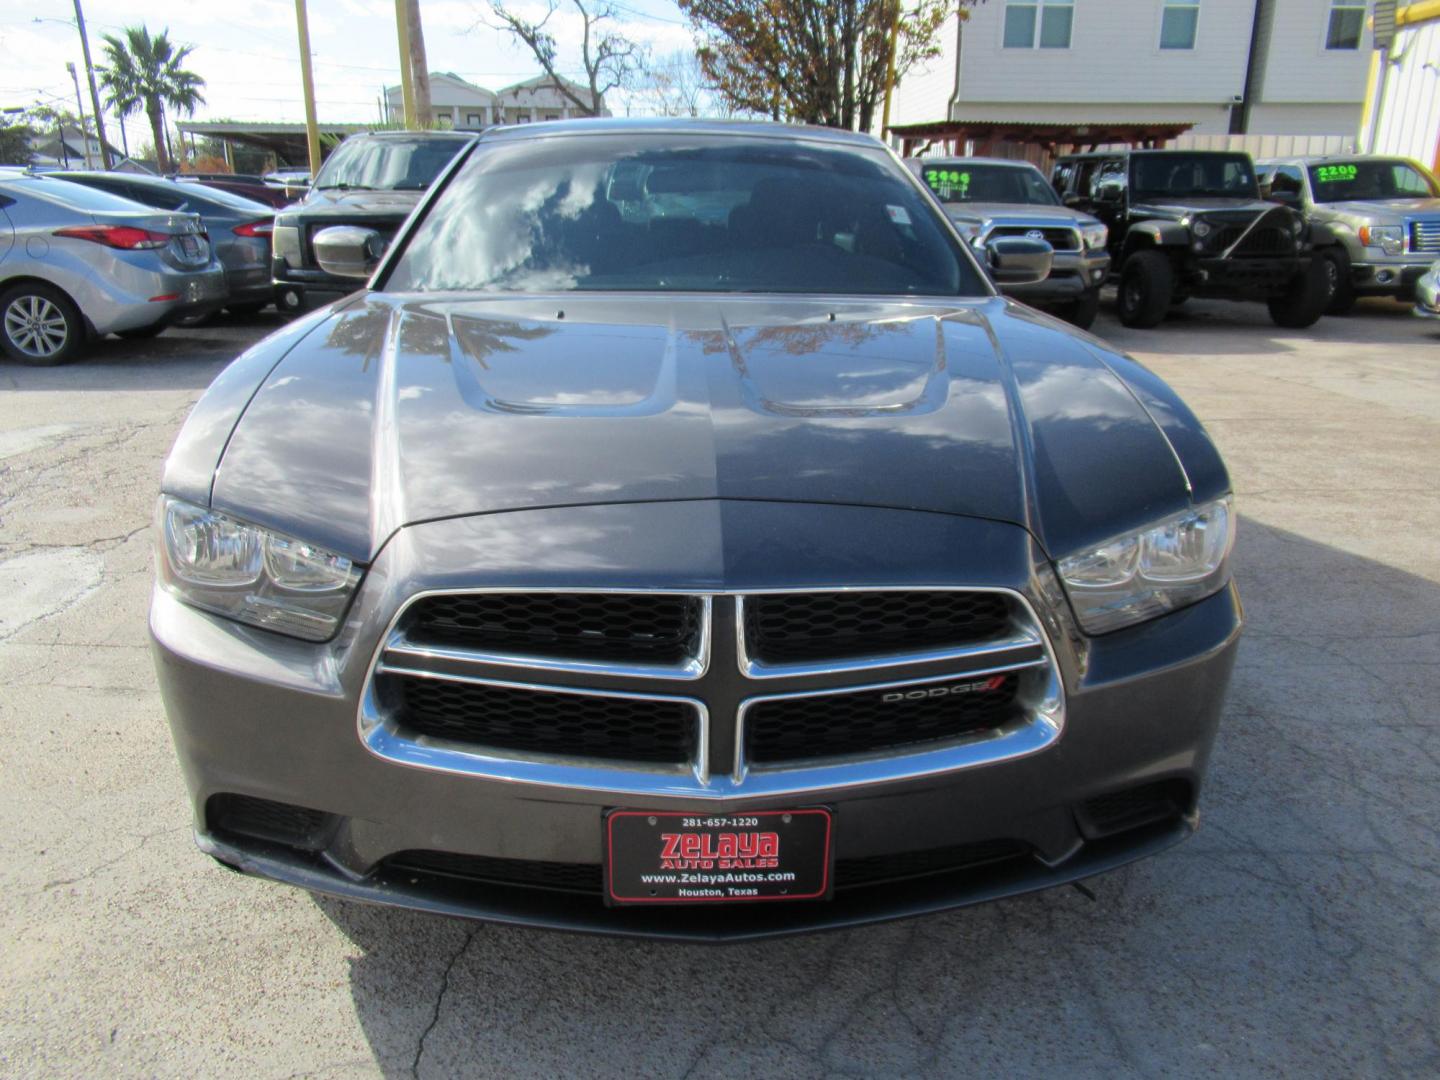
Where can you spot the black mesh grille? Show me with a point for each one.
(588, 878)
(651, 628)
(262, 819)
(625, 729)
(789, 729)
(1132, 807)
(567, 877)
(789, 627)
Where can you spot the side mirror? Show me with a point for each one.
(1284, 198)
(1110, 193)
(1015, 260)
(349, 250)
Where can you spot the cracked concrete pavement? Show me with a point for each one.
(1295, 934)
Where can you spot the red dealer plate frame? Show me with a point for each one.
(718, 858)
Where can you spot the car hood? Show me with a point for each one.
(1181, 207)
(356, 205)
(1398, 209)
(396, 410)
(1019, 213)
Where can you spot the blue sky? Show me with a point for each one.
(247, 51)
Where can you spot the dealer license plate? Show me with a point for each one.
(668, 858)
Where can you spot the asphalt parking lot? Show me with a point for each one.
(1297, 934)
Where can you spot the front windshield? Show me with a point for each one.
(967, 182)
(668, 213)
(1368, 181)
(1190, 175)
(397, 164)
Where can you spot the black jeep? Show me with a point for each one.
(1189, 223)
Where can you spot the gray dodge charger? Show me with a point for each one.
(679, 536)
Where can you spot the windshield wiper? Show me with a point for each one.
(345, 187)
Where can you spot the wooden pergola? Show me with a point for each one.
(1049, 138)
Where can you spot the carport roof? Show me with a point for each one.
(1048, 135)
(286, 141)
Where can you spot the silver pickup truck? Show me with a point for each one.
(1385, 211)
(987, 197)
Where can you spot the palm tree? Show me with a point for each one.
(144, 72)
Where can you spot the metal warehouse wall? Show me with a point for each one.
(1408, 120)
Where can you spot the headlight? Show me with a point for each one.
(1200, 228)
(218, 563)
(1390, 238)
(285, 243)
(1133, 578)
(969, 230)
(1094, 236)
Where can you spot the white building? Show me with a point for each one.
(456, 103)
(1294, 67)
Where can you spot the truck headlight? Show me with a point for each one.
(229, 567)
(1389, 238)
(1095, 236)
(969, 230)
(1139, 576)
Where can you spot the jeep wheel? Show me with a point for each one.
(1339, 284)
(1081, 312)
(1305, 299)
(1146, 285)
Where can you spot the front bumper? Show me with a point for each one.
(263, 717)
(1072, 274)
(1397, 278)
(1427, 295)
(1244, 277)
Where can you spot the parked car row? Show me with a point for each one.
(1304, 236)
(77, 262)
(76, 247)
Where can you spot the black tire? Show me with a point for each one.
(1082, 312)
(141, 332)
(1147, 283)
(1339, 282)
(1305, 300)
(39, 325)
(250, 307)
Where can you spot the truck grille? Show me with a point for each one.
(839, 724)
(640, 627)
(1262, 242)
(526, 685)
(528, 719)
(790, 627)
(1059, 238)
(1425, 236)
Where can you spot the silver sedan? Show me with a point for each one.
(76, 263)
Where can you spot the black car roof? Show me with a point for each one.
(1149, 153)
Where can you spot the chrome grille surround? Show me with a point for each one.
(1425, 236)
(1026, 650)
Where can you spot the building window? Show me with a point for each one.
(1347, 19)
(1178, 24)
(472, 120)
(1041, 24)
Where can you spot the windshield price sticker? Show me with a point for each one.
(947, 183)
(898, 214)
(1332, 174)
(670, 858)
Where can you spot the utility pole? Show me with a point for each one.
(890, 73)
(80, 105)
(94, 94)
(407, 85)
(312, 129)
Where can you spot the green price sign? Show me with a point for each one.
(948, 182)
(1334, 174)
